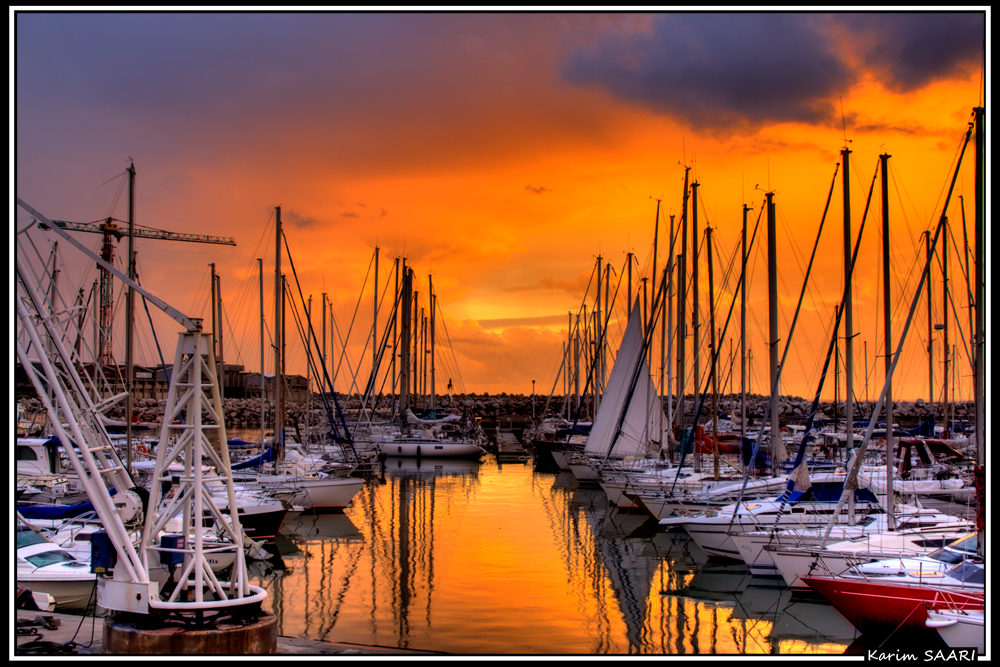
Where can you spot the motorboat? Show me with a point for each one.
(835, 558)
(45, 567)
(795, 509)
(755, 547)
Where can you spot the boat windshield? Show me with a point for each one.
(26, 537)
(957, 551)
(51, 558)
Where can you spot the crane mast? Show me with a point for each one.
(111, 232)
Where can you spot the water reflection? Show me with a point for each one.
(473, 558)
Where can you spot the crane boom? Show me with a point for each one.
(184, 320)
(108, 226)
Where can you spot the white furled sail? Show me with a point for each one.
(643, 421)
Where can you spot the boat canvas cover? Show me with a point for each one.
(643, 421)
(265, 457)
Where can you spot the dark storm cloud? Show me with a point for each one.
(298, 221)
(719, 70)
(910, 50)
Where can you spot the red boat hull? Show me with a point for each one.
(884, 607)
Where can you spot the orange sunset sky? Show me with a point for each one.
(501, 154)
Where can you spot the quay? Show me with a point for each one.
(43, 633)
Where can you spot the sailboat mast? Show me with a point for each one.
(375, 320)
(130, 320)
(667, 325)
(890, 449)
(947, 349)
(279, 398)
(682, 303)
(715, 361)
(930, 330)
(743, 332)
(656, 242)
(980, 273)
(848, 309)
(260, 286)
(598, 342)
(695, 320)
(395, 340)
(777, 446)
(406, 300)
(430, 290)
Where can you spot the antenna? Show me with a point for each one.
(843, 120)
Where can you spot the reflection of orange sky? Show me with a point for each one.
(505, 560)
(509, 200)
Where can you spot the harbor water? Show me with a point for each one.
(484, 558)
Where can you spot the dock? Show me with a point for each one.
(44, 633)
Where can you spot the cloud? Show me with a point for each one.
(299, 221)
(909, 50)
(539, 190)
(719, 71)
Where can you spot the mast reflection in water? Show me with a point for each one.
(480, 558)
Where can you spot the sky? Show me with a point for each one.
(503, 154)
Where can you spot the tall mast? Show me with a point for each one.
(576, 367)
(947, 349)
(130, 320)
(260, 277)
(930, 330)
(743, 332)
(980, 273)
(715, 375)
(682, 303)
(395, 340)
(695, 319)
(848, 309)
(777, 446)
(598, 343)
(279, 395)
(284, 362)
(415, 342)
(890, 449)
(628, 259)
(375, 320)
(406, 300)
(219, 362)
(666, 368)
(656, 242)
(430, 290)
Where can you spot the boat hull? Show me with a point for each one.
(68, 593)
(880, 607)
(959, 629)
(326, 494)
(430, 449)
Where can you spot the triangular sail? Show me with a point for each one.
(643, 415)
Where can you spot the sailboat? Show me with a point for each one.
(629, 420)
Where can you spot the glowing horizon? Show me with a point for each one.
(501, 154)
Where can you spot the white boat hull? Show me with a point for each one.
(68, 593)
(317, 494)
(430, 448)
(959, 628)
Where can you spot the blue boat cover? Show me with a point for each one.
(267, 455)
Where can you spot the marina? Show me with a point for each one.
(324, 445)
(484, 558)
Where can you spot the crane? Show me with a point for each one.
(110, 229)
(127, 582)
